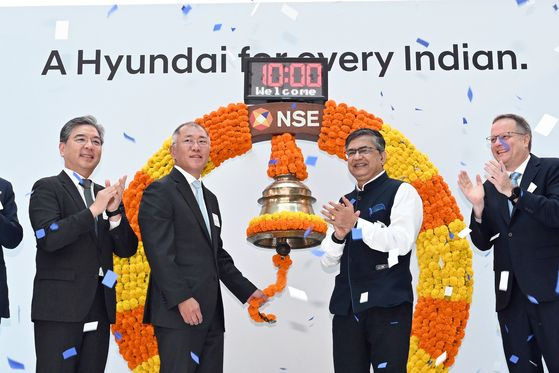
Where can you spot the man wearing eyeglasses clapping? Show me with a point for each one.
(516, 211)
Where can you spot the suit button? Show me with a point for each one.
(510, 234)
(359, 198)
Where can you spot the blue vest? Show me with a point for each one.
(363, 269)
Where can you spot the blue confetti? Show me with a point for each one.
(464, 120)
(532, 299)
(307, 232)
(356, 233)
(382, 365)
(69, 353)
(504, 144)
(506, 329)
(392, 107)
(312, 318)
(233, 29)
(513, 359)
(273, 161)
(217, 27)
(15, 364)
(283, 368)
(555, 7)
(293, 106)
(195, 357)
(470, 94)
(40, 233)
(53, 227)
(186, 9)
(377, 207)
(394, 322)
(317, 252)
(422, 42)
(356, 318)
(129, 138)
(557, 286)
(113, 9)
(518, 97)
(418, 109)
(311, 160)
(109, 279)
(451, 235)
(29, 193)
(352, 201)
(521, 2)
(118, 336)
(530, 338)
(463, 163)
(80, 179)
(381, 94)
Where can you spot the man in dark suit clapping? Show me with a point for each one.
(517, 211)
(11, 234)
(181, 231)
(75, 246)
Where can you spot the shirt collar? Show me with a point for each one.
(373, 179)
(522, 168)
(189, 178)
(72, 175)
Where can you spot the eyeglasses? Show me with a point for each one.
(202, 142)
(503, 136)
(364, 150)
(82, 140)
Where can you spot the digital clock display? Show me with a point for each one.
(285, 79)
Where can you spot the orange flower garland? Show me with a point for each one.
(286, 220)
(444, 259)
(286, 158)
(283, 263)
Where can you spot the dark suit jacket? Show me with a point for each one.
(69, 256)
(184, 261)
(11, 234)
(528, 242)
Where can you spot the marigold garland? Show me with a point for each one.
(444, 258)
(283, 263)
(286, 158)
(286, 220)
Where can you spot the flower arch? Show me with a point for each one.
(445, 259)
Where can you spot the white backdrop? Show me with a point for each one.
(427, 106)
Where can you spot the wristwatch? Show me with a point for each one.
(116, 212)
(515, 193)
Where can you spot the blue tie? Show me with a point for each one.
(197, 184)
(514, 180)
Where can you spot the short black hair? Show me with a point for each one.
(378, 140)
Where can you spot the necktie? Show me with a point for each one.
(514, 180)
(197, 184)
(86, 184)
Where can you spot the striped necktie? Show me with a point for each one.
(514, 180)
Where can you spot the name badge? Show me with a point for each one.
(364, 297)
(532, 187)
(216, 220)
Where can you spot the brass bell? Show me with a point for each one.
(286, 193)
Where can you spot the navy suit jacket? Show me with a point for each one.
(70, 253)
(11, 234)
(528, 242)
(185, 261)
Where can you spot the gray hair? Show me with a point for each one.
(187, 124)
(521, 125)
(375, 135)
(87, 120)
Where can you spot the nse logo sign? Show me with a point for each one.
(301, 119)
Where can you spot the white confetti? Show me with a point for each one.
(532, 187)
(289, 11)
(61, 30)
(90, 326)
(392, 258)
(464, 232)
(494, 237)
(448, 291)
(1, 207)
(504, 281)
(546, 124)
(297, 294)
(254, 9)
(440, 359)
(364, 297)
